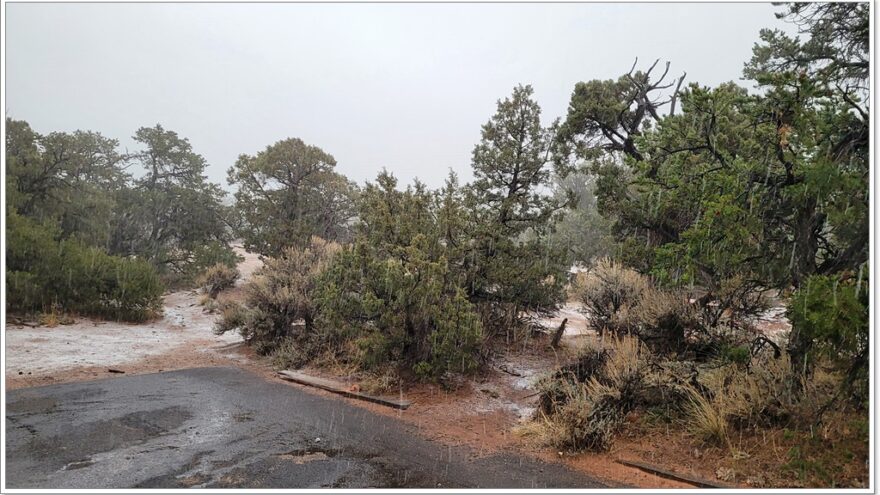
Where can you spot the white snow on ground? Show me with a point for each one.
(105, 343)
(87, 342)
(577, 322)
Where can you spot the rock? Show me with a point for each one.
(724, 474)
(756, 480)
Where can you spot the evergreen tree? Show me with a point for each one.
(509, 266)
(288, 193)
(172, 215)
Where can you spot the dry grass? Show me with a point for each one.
(586, 411)
(759, 396)
(54, 317)
(217, 278)
(707, 419)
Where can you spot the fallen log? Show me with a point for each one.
(341, 389)
(698, 482)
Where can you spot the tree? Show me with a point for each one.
(509, 267)
(817, 96)
(738, 193)
(172, 215)
(289, 192)
(609, 116)
(69, 178)
(511, 164)
(392, 291)
(582, 231)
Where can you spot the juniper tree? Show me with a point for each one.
(172, 215)
(68, 178)
(392, 292)
(737, 192)
(289, 192)
(510, 267)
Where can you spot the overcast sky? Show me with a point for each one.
(400, 86)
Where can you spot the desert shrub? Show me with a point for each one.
(584, 405)
(279, 307)
(556, 388)
(44, 271)
(620, 300)
(217, 278)
(665, 320)
(210, 304)
(736, 397)
(294, 352)
(233, 316)
(609, 292)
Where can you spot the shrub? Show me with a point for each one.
(708, 419)
(758, 395)
(623, 301)
(401, 309)
(233, 316)
(665, 320)
(583, 410)
(43, 273)
(609, 292)
(279, 299)
(218, 278)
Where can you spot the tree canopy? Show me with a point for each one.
(288, 193)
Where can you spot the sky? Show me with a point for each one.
(400, 86)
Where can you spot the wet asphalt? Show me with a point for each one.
(228, 428)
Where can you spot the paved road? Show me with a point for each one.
(227, 428)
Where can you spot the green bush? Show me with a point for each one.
(44, 272)
(401, 309)
(829, 318)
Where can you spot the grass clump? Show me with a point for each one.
(583, 405)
